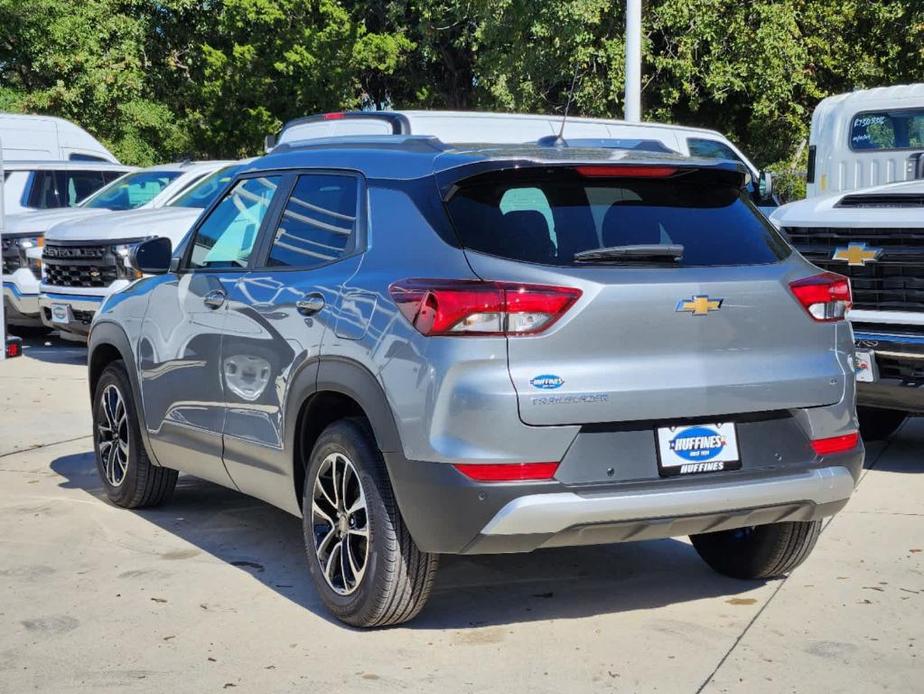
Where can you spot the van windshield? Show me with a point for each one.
(131, 191)
(550, 216)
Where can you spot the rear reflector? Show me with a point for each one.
(836, 444)
(826, 297)
(508, 472)
(626, 171)
(13, 347)
(466, 307)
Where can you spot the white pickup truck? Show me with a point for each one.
(23, 234)
(874, 236)
(85, 260)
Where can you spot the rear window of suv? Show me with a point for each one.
(549, 215)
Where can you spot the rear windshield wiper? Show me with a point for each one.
(626, 254)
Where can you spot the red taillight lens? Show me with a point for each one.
(626, 171)
(449, 307)
(836, 444)
(826, 297)
(508, 472)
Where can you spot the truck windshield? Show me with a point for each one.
(204, 193)
(131, 191)
(550, 218)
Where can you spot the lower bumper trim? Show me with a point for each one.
(550, 514)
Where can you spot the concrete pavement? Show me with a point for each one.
(210, 593)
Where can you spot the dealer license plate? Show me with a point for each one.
(696, 448)
(60, 313)
(866, 367)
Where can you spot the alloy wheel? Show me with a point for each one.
(112, 435)
(341, 524)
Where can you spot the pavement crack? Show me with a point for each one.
(44, 445)
(783, 582)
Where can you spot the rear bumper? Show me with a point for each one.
(448, 513)
(900, 356)
(567, 518)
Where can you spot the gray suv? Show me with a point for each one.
(422, 349)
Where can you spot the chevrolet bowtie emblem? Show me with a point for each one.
(699, 305)
(857, 254)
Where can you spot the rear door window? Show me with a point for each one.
(318, 225)
(900, 129)
(548, 216)
(43, 194)
(77, 185)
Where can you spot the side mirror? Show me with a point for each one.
(765, 185)
(269, 142)
(152, 257)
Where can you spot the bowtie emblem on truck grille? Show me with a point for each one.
(857, 254)
(699, 305)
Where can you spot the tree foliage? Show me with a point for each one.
(165, 78)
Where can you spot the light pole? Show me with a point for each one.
(2, 226)
(633, 111)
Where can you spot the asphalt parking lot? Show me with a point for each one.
(210, 593)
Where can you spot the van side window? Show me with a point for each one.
(318, 225)
(226, 238)
(710, 149)
(902, 129)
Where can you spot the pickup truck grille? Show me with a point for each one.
(895, 282)
(9, 252)
(79, 266)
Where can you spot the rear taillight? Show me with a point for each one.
(508, 472)
(826, 297)
(836, 444)
(465, 307)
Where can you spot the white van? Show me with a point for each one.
(457, 127)
(866, 138)
(27, 137)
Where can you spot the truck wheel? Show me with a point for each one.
(128, 476)
(761, 551)
(362, 560)
(877, 424)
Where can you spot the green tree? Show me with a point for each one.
(86, 61)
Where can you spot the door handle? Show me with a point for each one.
(310, 304)
(214, 299)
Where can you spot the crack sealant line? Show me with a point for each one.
(45, 445)
(780, 586)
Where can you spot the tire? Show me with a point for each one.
(136, 483)
(877, 424)
(394, 582)
(758, 552)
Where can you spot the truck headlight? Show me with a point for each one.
(25, 243)
(123, 254)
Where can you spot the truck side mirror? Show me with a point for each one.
(152, 257)
(765, 185)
